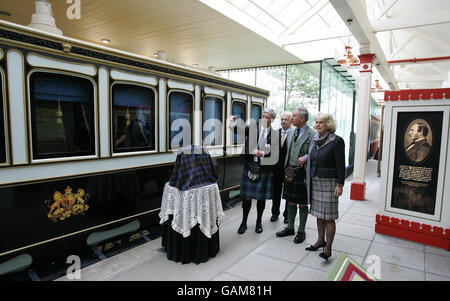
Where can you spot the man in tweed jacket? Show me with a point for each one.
(298, 142)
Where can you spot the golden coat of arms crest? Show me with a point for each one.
(64, 205)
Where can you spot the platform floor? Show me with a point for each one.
(264, 256)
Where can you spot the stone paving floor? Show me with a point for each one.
(264, 256)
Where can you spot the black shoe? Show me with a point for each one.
(242, 229)
(325, 255)
(313, 248)
(274, 218)
(285, 232)
(258, 228)
(299, 238)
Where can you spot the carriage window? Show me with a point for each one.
(2, 123)
(212, 121)
(256, 112)
(180, 119)
(239, 109)
(133, 118)
(62, 115)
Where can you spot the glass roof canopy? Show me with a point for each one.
(309, 29)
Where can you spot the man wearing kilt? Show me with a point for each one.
(256, 180)
(295, 192)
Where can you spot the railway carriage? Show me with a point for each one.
(87, 139)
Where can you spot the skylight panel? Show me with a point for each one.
(276, 7)
(242, 4)
(264, 4)
(275, 26)
(253, 11)
(293, 11)
(315, 24)
(265, 19)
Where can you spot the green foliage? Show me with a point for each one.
(302, 88)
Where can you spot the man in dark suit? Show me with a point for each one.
(278, 171)
(419, 148)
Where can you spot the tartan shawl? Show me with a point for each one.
(193, 168)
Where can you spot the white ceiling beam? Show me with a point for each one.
(306, 38)
(362, 30)
(430, 37)
(424, 19)
(387, 8)
(401, 47)
(422, 78)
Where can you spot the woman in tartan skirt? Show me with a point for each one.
(257, 155)
(325, 180)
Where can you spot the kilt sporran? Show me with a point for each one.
(289, 174)
(254, 173)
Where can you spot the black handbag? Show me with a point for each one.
(254, 173)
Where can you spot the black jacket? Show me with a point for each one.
(248, 149)
(279, 167)
(329, 160)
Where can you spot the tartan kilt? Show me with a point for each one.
(296, 192)
(261, 190)
(324, 204)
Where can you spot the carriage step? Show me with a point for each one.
(96, 238)
(18, 264)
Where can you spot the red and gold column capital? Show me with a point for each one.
(366, 62)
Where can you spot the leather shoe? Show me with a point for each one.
(285, 232)
(299, 238)
(258, 228)
(325, 255)
(242, 229)
(273, 218)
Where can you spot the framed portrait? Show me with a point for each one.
(416, 165)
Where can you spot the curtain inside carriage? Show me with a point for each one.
(62, 115)
(133, 118)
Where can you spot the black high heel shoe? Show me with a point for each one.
(325, 256)
(313, 248)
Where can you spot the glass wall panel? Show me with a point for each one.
(303, 88)
(240, 111)
(273, 79)
(133, 118)
(2, 121)
(212, 120)
(62, 115)
(180, 112)
(374, 127)
(337, 92)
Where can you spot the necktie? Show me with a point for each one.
(297, 132)
(283, 138)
